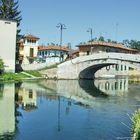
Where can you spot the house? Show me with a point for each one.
(28, 48)
(74, 53)
(99, 47)
(8, 31)
(52, 53)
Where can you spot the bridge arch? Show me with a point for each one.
(86, 66)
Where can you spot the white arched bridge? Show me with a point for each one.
(86, 66)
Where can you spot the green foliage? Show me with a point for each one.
(1, 64)
(12, 76)
(9, 10)
(136, 125)
(101, 38)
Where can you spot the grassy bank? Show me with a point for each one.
(136, 125)
(19, 76)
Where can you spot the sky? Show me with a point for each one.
(114, 19)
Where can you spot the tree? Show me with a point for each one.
(101, 38)
(9, 10)
(1, 66)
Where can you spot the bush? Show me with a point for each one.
(136, 125)
(1, 66)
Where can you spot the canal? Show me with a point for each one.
(68, 109)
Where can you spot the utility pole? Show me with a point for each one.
(116, 34)
(62, 27)
(90, 31)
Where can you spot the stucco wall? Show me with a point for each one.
(8, 44)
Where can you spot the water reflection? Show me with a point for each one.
(66, 109)
(7, 111)
(27, 98)
(112, 86)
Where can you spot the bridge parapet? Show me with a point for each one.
(91, 63)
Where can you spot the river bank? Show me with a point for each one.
(136, 125)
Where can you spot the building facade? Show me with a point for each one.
(99, 47)
(8, 44)
(28, 48)
(52, 53)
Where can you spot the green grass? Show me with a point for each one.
(12, 76)
(34, 73)
(136, 125)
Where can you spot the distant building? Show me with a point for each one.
(74, 53)
(99, 47)
(28, 47)
(52, 53)
(8, 31)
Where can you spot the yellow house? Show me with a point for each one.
(28, 47)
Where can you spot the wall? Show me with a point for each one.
(8, 44)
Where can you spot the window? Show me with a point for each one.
(121, 67)
(108, 68)
(87, 52)
(117, 67)
(30, 93)
(125, 67)
(116, 85)
(107, 85)
(31, 52)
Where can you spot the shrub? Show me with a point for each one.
(1, 66)
(136, 125)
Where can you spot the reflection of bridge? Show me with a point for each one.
(86, 66)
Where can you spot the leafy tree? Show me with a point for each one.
(9, 10)
(1, 66)
(101, 38)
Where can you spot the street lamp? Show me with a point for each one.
(62, 27)
(90, 31)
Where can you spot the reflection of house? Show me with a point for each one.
(112, 86)
(8, 43)
(28, 47)
(28, 99)
(98, 47)
(52, 53)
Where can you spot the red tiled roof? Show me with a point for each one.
(75, 51)
(114, 45)
(53, 47)
(31, 36)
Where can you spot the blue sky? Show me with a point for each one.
(114, 19)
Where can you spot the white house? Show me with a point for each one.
(52, 54)
(8, 30)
